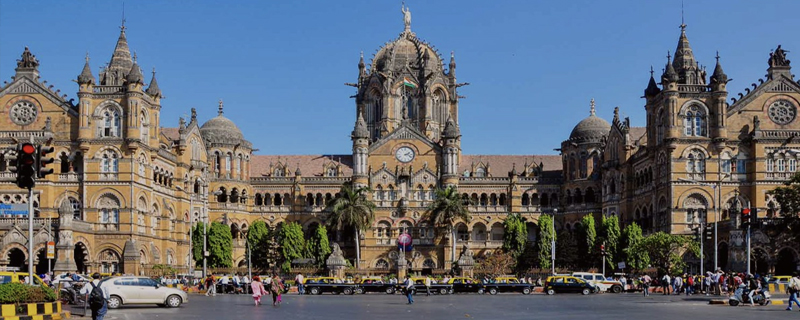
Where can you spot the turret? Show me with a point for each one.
(719, 81)
(452, 72)
(669, 79)
(134, 79)
(451, 151)
(652, 88)
(360, 137)
(153, 89)
(86, 78)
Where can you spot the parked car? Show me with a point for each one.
(18, 277)
(465, 285)
(568, 284)
(419, 286)
(374, 284)
(141, 290)
(602, 283)
(65, 277)
(508, 284)
(320, 285)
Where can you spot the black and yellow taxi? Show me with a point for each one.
(568, 284)
(320, 285)
(373, 284)
(507, 284)
(419, 286)
(465, 285)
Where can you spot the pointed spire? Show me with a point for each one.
(153, 89)
(684, 63)
(452, 64)
(361, 64)
(719, 76)
(451, 130)
(219, 113)
(360, 130)
(297, 172)
(194, 115)
(591, 110)
(652, 88)
(121, 62)
(669, 72)
(135, 73)
(86, 76)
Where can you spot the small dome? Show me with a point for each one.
(221, 129)
(591, 128)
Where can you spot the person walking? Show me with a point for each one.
(211, 286)
(301, 287)
(97, 297)
(646, 285)
(277, 288)
(409, 287)
(427, 286)
(665, 283)
(258, 290)
(793, 289)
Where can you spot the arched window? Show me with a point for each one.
(144, 120)
(660, 125)
(379, 193)
(110, 124)
(696, 164)
(770, 165)
(392, 194)
(480, 172)
(525, 199)
(109, 163)
(694, 121)
(76, 208)
(278, 172)
(228, 161)
(239, 165)
(331, 172)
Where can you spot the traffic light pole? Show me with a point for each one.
(748, 236)
(702, 234)
(30, 236)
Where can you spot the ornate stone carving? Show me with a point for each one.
(23, 113)
(777, 58)
(782, 112)
(29, 60)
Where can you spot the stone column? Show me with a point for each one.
(130, 258)
(336, 262)
(65, 246)
(402, 265)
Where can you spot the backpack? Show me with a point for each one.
(96, 299)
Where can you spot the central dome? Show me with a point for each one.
(406, 50)
(222, 130)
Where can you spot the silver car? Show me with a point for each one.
(141, 290)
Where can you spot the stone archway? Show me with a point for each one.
(786, 262)
(81, 256)
(722, 253)
(759, 261)
(17, 259)
(41, 261)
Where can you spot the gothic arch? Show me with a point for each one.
(109, 193)
(695, 191)
(105, 149)
(107, 104)
(693, 102)
(65, 196)
(107, 246)
(689, 148)
(14, 245)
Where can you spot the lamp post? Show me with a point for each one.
(717, 201)
(205, 236)
(553, 243)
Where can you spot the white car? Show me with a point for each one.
(599, 281)
(64, 277)
(141, 290)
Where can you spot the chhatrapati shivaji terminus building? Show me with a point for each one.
(128, 185)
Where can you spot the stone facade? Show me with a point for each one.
(135, 187)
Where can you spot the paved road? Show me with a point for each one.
(503, 306)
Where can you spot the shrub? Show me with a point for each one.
(12, 293)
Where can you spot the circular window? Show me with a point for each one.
(23, 113)
(782, 112)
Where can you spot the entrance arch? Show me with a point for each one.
(786, 262)
(41, 261)
(722, 256)
(16, 258)
(80, 255)
(758, 262)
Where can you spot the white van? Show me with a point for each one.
(599, 281)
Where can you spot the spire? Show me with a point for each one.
(135, 73)
(361, 64)
(591, 110)
(452, 64)
(219, 113)
(153, 89)
(297, 172)
(669, 72)
(360, 130)
(86, 76)
(684, 63)
(718, 77)
(652, 88)
(120, 63)
(451, 130)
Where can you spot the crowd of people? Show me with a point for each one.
(712, 283)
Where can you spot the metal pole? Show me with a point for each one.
(553, 243)
(748, 247)
(249, 262)
(716, 219)
(49, 238)
(30, 236)
(205, 242)
(191, 226)
(702, 239)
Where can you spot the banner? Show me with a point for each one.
(404, 242)
(19, 209)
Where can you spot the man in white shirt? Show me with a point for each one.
(224, 281)
(427, 285)
(301, 288)
(97, 313)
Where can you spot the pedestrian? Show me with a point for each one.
(624, 283)
(97, 297)
(277, 288)
(793, 289)
(301, 287)
(409, 287)
(258, 289)
(665, 282)
(211, 286)
(689, 285)
(224, 282)
(646, 285)
(427, 286)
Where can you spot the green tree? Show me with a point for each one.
(197, 243)
(665, 250)
(515, 236)
(319, 247)
(587, 236)
(609, 235)
(634, 258)
(788, 198)
(292, 244)
(568, 255)
(220, 246)
(352, 208)
(258, 237)
(447, 208)
(547, 233)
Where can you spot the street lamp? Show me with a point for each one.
(716, 188)
(553, 243)
(191, 226)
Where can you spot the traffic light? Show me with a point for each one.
(746, 217)
(754, 217)
(12, 160)
(26, 165)
(43, 160)
(603, 249)
(709, 231)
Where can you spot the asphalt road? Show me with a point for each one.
(463, 306)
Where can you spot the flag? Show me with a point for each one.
(408, 83)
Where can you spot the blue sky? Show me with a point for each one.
(280, 66)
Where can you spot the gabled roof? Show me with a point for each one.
(23, 84)
(406, 132)
(310, 165)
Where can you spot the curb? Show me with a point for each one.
(54, 316)
(772, 302)
(9, 311)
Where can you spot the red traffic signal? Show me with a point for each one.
(26, 165)
(746, 217)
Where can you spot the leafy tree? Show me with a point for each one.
(292, 244)
(197, 243)
(665, 250)
(258, 237)
(634, 258)
(788, 198)
(447, 208)
(497, 264)
(515, 236)
(318, 245)
(352, 208)
(587, 240)
(568, 255)
(220, 246)
(547, 233)
(609, 235)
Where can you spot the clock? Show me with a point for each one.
(404, 154)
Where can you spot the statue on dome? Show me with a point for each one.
(406, 16)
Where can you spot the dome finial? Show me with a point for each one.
(406, 17)
(220, 107)
(591, 111)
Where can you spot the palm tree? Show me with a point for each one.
(445, 210)
(352, 208)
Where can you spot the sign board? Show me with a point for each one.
(621, 265)
(51, 250)
(19, 209)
